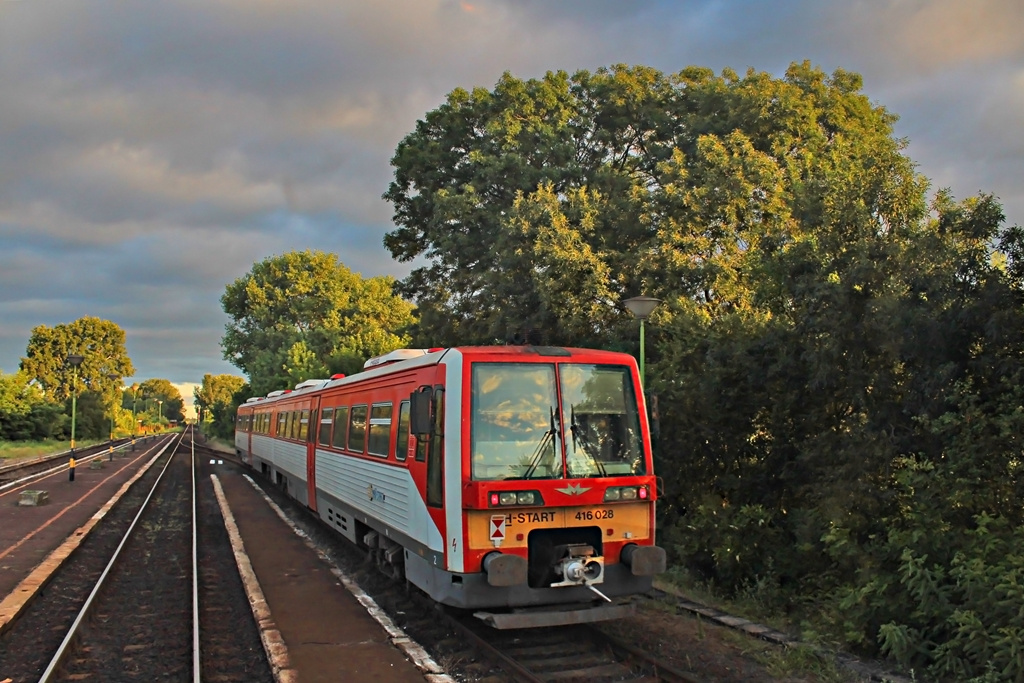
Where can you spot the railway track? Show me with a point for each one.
(579, 653)
(132, 602)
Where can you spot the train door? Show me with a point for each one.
(312, 434)
(427, 465)
(253, 416)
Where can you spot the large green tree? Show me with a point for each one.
(215, 401)
(543, 203)
(838, 359)
(304, 315)
(216, 389)
(101, 343)
(160, 401)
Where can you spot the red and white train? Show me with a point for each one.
(514, 480)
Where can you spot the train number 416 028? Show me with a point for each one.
(589, 515)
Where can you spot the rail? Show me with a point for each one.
(65, 648)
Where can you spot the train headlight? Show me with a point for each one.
(625, 493)
(509, 498)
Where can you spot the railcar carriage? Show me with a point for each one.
(516, 481)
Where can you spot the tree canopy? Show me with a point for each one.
(544, 203)
(25, 413)
(304, 315)
(101, 343)
(215, 401)
(158, 398)
(838, 358)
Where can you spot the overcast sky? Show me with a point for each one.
(152, 152)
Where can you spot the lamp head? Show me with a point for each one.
(75, 359)
(641, 306)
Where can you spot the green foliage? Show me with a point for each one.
(304, 315)
(838, 362)
(216, 400)
(158, 402)
(25, 414)
(544, 202)
(100, 342)
(92, 417)
(215, 392)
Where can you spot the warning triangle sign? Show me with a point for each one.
(497, 527)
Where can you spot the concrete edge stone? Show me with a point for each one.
(270, 636)
(412, 650)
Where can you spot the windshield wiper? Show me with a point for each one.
(538, 454)
(582, 442)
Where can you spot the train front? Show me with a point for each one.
(559, 489)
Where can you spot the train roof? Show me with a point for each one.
(403, 359)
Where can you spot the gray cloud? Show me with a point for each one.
(150, 153)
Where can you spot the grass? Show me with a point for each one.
(795, 660)
(19, 450)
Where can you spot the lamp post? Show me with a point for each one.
(110, 456)
(135, 424)
(641, 307)
(74, 360)
(160, 408)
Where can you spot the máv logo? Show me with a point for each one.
(375, 494)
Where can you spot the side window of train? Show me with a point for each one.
(324, 436)
(435, 469)
(340, 426)
(303, 425)
(402, 439)
(357, 429)
(380, 429)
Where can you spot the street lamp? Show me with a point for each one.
(641, 307)
(112, 376)
(74, 360)
(160, 408)
(135, 424)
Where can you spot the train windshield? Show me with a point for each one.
(602, 422)
(518, 428)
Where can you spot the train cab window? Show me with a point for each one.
(303, 431)
(514, 422)
(435, 459)
(340, 426)
(380, 429)
(357, 429)
(602, 421)
(402, 439)
(324, 435)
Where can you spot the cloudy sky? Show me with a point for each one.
(151, 152)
